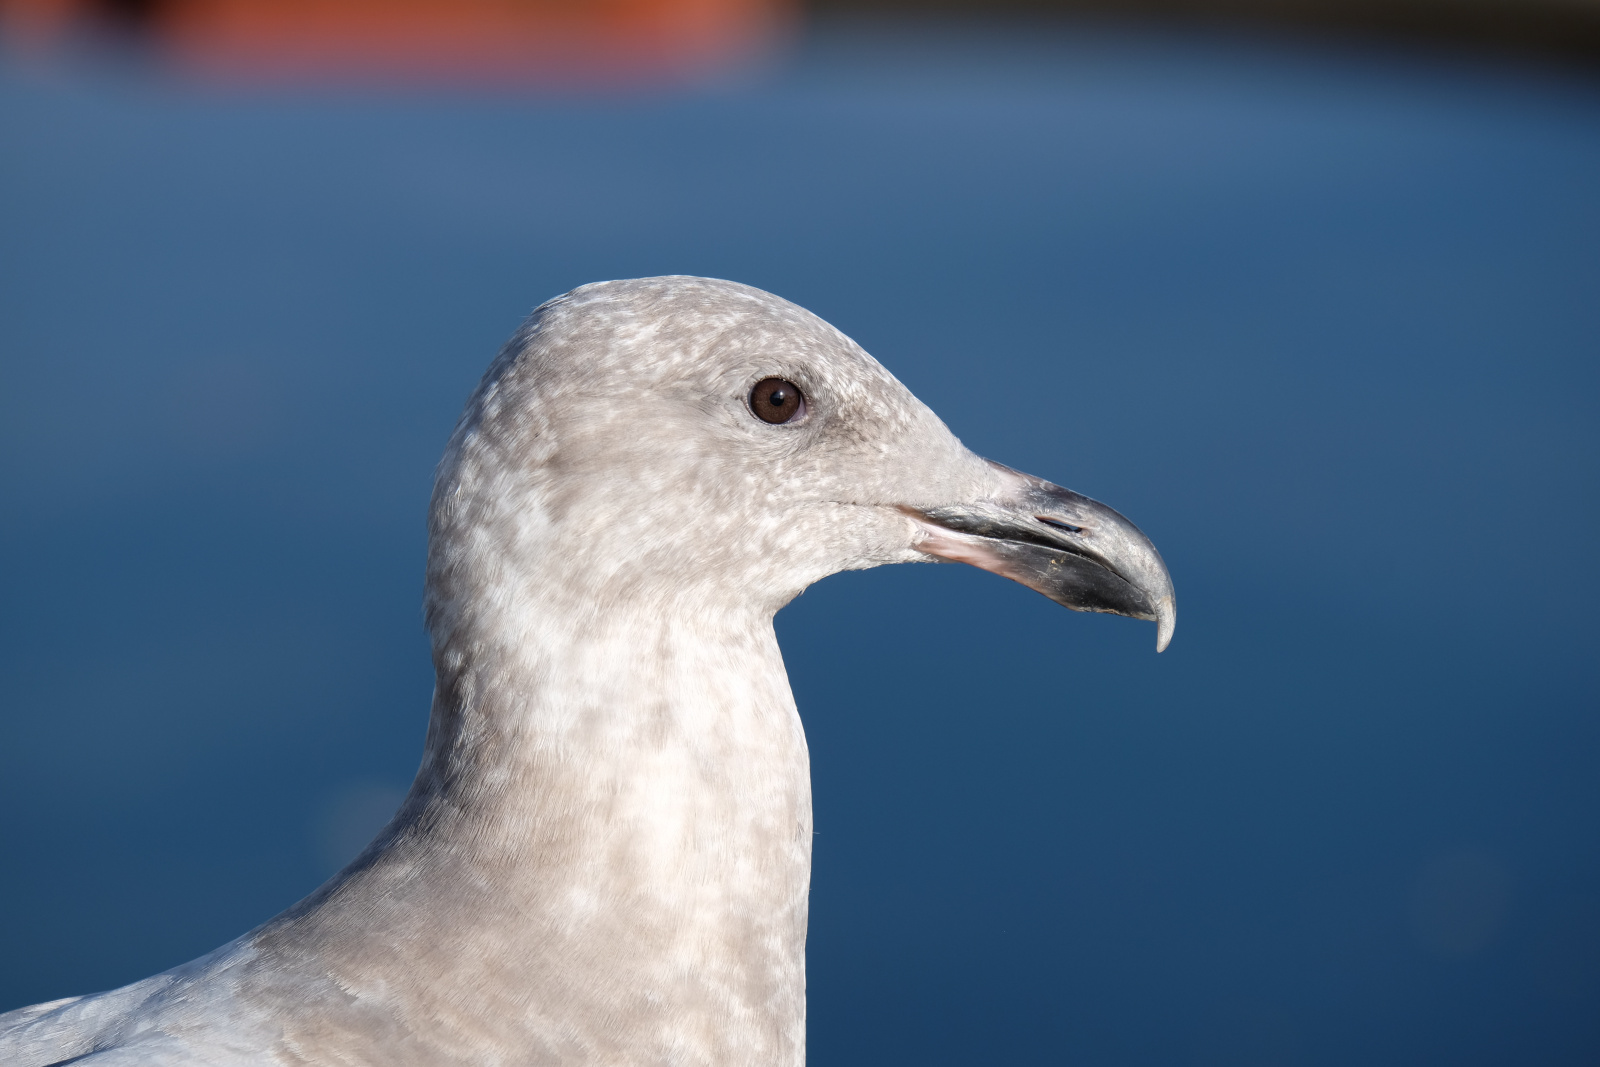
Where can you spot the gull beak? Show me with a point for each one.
(1076, 551)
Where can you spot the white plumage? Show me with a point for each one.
(605, 856)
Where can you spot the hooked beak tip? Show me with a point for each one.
(1166, 621)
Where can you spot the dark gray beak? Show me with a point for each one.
(1076, 551)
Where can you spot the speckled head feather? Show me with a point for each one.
(615, 432)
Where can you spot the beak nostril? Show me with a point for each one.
(1058, 524)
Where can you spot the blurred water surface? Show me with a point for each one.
(1324, 322)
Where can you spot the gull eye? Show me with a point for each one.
(775, 400)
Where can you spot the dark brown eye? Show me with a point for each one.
(775, 400)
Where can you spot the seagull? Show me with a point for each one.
(606, 854)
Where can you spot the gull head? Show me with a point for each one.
(692, 443)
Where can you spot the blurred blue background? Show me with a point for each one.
(1324, 321)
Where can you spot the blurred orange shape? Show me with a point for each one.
(474, 41)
